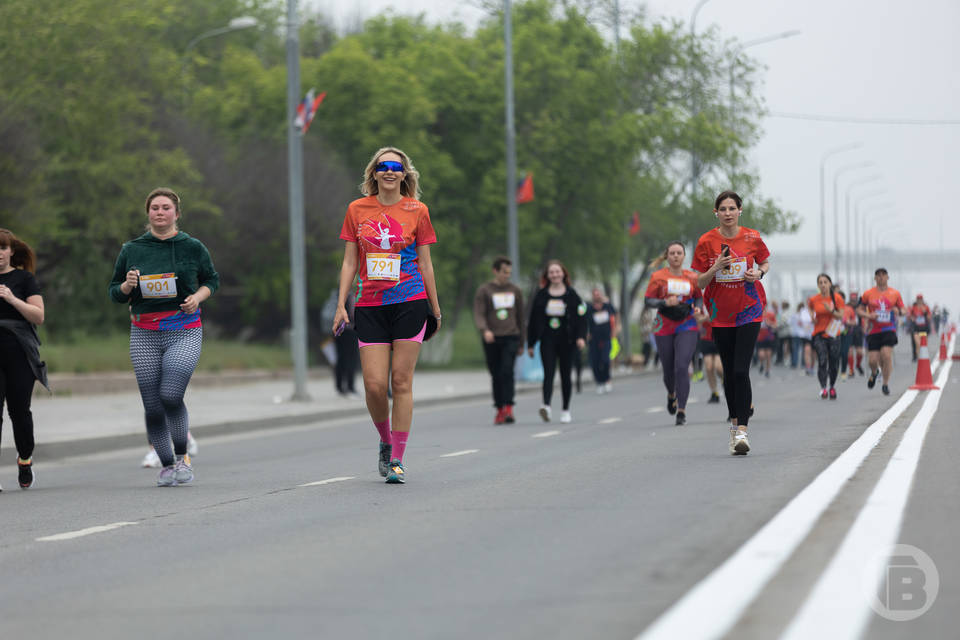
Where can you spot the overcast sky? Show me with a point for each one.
(870, 59)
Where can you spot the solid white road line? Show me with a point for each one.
(465, 452)
(714, 605)
(840, 595)
(327, 481)
(70, 535)
(545, 434)
(610, 420)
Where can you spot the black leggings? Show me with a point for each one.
(554, 346)
(16, 388)
(735, 345)
(828, 358)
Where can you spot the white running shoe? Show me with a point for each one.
(545, 413)
(151, 460)
(739, 445)
(607, 386)
(566, 418)
(191, 445)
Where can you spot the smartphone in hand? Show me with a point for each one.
(724, 249)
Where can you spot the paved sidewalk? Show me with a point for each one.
(80, 424)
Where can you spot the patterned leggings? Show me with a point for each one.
(163, 362)
(828, 359)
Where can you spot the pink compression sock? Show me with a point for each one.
(399, 444)
(383, 428)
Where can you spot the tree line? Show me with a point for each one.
(101, 101)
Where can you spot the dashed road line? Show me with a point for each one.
(655, 409)
(465, 452)
(610, 420)
(327, 481)
(545, 434)
(70, 535)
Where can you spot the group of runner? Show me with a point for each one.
(716, 306)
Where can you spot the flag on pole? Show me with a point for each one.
(635, 224)
(525, 189)
(307, 109)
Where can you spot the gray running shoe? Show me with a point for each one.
(396, 473)
(383, 463)
(182, 471)
(167, 477)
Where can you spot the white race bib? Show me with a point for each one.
(556, 308)
(883, 316)
(504, 300)
(678, 287)
(833, 329)
(159, 285)
(383, 266)
(601, 317)
(733, 273)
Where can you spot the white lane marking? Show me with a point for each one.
(327, 481)
(842, 590)
(545, 434)
(655, 409)
(610, 420)
(714, 605)
(465, 452)
(70, 535)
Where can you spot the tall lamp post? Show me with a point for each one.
(836, 206)
(752, 43)
(854, 253)
(823, 205)
(694, 173)
(853, 185)
(236, 24)
(298, 278)
(513, 243)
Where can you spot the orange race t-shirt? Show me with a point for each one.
(732, 301)
(663, 284)
(823, 319)
(882, 303)
(387, 237)
(919, 314)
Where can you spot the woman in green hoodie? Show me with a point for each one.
(164, 276)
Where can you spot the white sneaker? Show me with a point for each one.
(565, 417)
(607, 386)
(191, 445)
(545, 413)
(739, 445)
(151, 460)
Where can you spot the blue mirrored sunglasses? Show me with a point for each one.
(389, 165)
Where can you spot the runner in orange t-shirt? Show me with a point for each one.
(920, 322)
(880, 306)
(732, 260)
(827, 310)
(387, 238)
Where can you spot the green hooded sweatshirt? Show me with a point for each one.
(181, 255)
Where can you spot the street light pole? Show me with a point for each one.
(823, 206)
(298, 280)
(853, 185)
(836, 206)
(694, 173)
(513, 243)
(752, 43)
(236, 24)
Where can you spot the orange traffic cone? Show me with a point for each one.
(924, 380)
(943, 347)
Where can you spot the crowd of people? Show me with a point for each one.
(709, 318)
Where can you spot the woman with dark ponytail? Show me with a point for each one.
(21, 311)
(826, 307)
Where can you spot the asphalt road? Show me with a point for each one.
(590, 529)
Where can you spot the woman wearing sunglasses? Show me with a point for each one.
(388, 236)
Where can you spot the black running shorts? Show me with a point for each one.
(384, 324)
(707, 347)
(883, 339)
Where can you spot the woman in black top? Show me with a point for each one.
(558, 323)
(21, 309)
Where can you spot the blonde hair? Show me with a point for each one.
(410, 186)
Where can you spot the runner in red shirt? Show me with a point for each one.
(880, 306)
(826, 307)
(920, 322)
(673, 291)
(388, 236)
(732, 260)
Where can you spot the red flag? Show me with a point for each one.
(307, 109)
(635, 224)
(525, 189)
